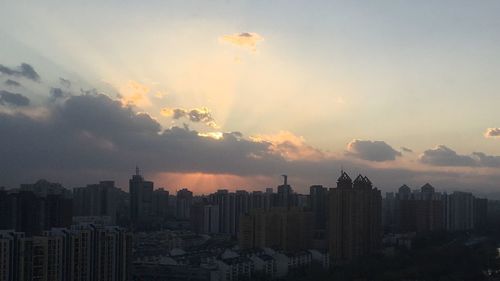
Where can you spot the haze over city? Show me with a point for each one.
(209, 95)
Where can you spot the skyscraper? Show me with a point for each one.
(160, 203)
(141, 196)
(289, 229)
(459, 211)
(184, 202)
(285, 196)
(84, 252)
(205, 218)
(100, 199)
(354, 219)
(318, 198)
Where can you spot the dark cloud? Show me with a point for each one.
(24, 70)
(13, 99)
(90, 132)
(197, 115)
(58, 93)
(487, 160)
(91, 137)
(406, 149)
(12, 83)
(378, 151)
(492, 133)
(65, 82)
(444, 156)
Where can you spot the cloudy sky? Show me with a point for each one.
(232, 94)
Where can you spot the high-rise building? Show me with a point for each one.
(285, 196)
(184, 202)
(459, 211)
(389, 212)
(102, 199)
(232, 205)
(160, 203)
(205, 218)
(82, 252)
(289, 229)
(480, 213)
(227, 213)
(318, 199)
(421, 211)
(355, 212)
(30, 212)
(141, 197)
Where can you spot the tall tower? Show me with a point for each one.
(355, 219)
(285, 195)
(141, 197)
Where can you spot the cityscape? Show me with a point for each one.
(249, 140)
(101, 232)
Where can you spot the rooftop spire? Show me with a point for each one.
(285, 179)
(137, 171)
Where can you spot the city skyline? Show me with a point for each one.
(232, 95)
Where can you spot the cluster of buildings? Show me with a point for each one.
(80, 252)
(425, 210)
(51, 233)
(219, 263)
(346, 221)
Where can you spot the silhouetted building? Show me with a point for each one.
(205, 218)
(459, 211)
(389, 208)
(30, 212)
(428, 215)
(83, 252)
(227, 210)
(141, 197)
(184, 202)
(421, 211)
(42, 188)
(318, 199)
(285, 197)
(258, 200)
(480, 213)
(355, 211)
(102, 199)
(160, 203)
(283, 228)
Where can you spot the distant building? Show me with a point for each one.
(141, 198)
(184, 202)
(421, 211)
(33, 209)
(389, 207)
(85, 252)
(480, 213)
(160, 204)
(285, 197)
(236, 268)
(355, 212)
(102, 199)
(227, 210)
(287, 229)
(318, 200)
(205, 218)
(459, 211)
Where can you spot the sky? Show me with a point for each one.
(232, 94)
